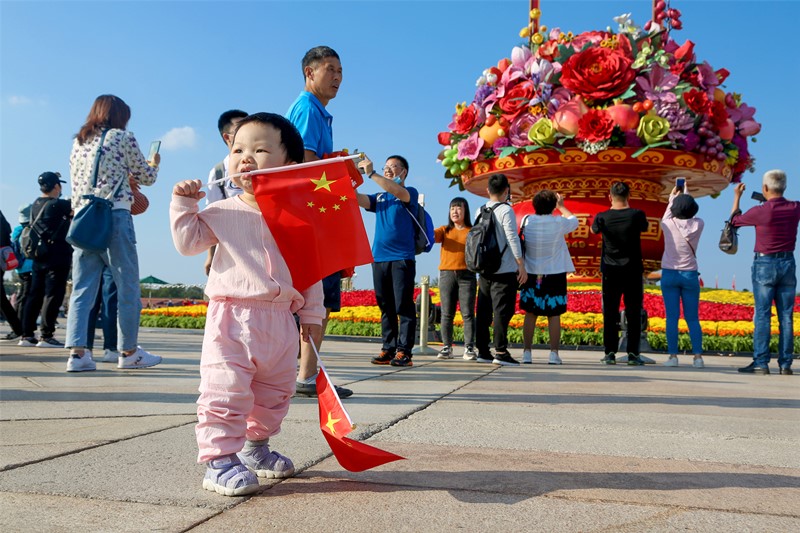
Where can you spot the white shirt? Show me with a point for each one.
(214, 192)
(546, 249)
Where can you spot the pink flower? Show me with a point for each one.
(518, 132)
(470, 148)
(568, 115)
(520, 56)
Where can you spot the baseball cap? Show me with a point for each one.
(50, 179)
(24, 213)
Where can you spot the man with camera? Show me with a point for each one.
(774, 268)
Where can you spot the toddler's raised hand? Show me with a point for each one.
(190, 189)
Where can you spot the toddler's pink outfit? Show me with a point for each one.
(250, 346)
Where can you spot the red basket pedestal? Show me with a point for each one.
(585, 179)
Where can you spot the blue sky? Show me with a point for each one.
(406, 64)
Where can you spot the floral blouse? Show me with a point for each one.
(121, 157)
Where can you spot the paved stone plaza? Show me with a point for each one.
(578, 447)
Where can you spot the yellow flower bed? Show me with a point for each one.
(184, 310)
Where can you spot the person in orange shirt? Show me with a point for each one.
(456, 283)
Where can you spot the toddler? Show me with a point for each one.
(250, 345)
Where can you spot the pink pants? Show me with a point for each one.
(247, 374)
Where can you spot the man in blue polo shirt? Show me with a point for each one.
(395, 266)
(322, 71)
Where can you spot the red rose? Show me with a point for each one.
(598, 73)
(718, 114)
(595, 126)
(697, 101)
(465, 120)
(444, 138)
(516, 99)
(548, 50)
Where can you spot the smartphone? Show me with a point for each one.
(680, 184)
(155, 146)
(758, 196)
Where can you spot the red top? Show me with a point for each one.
(776, 225)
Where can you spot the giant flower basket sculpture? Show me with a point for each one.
(574, 113)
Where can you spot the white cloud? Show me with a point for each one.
(177, 138)
(16, 100)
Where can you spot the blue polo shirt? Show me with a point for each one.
(394, 226)
(313, 122)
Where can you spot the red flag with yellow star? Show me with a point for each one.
(314, 217)
(335, 423)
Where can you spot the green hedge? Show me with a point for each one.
(657, 341)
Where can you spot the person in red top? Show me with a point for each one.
(456, 283)
(774, 268)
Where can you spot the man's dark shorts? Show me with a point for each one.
(332, 289)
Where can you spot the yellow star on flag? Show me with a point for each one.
(322, 209)
(322, 183)
(343, 198)
(310, 204)
(331, 424)
(336, 207)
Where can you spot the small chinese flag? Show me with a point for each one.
(315, 219)
(335, 423)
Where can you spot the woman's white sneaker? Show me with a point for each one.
(138, 359)
(554, 359)
(527, 359)
(698, 363)
(111, 356)
(81, 364)
(672, 361)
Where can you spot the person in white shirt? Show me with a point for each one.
(547, 262)
(222, 189)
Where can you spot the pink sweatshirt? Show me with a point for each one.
(247, 263)
(678, 234)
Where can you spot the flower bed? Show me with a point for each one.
(726, 318)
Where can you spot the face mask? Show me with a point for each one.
(397, 180)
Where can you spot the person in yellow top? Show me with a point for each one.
(456, 283)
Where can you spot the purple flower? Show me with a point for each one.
(632, 139)
(499, 144)
(657, 85)
(518, 132)
(679, 119)
(470, 147)
(706, 76)
(691, 141)
(482, 94)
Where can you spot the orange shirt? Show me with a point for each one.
(453, 242)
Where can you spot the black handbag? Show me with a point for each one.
(91, 227)
(729, 240)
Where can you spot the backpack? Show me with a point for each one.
(482, 251)
(17, 247)
(31, 241)
(423, 230)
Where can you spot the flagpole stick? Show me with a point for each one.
(424, 313)
(297, 166)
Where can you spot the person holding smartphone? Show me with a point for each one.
(680, 279)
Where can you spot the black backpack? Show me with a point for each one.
(482, 251)
(31, 240)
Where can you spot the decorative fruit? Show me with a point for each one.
(566, 118)
(624, 116)
(727, 130)
(490, 133)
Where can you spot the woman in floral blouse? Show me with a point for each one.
(120, 159)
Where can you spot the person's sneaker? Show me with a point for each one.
(698, 363)
(310, 389)
(228, 476)
(384, 358)
(609, 359)
(28, 342)
(138, 359)
(402, 359)
(786, 371)
(484, 358)
(445, 353)
(469, 353)
(257, 457)
(49, 342)
(111, 356)
(527, 358)
(753, 369)
(554, 359)
(11, 336)
(635, 360)
(84, 363)
(672, 361)
(504, 359)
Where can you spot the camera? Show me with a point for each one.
(758, 196)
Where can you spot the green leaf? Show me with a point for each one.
(532, 147)
(630, 93)
(643, 149)
(507, 151)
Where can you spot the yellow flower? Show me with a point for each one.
(652, 128)
(543, 132)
